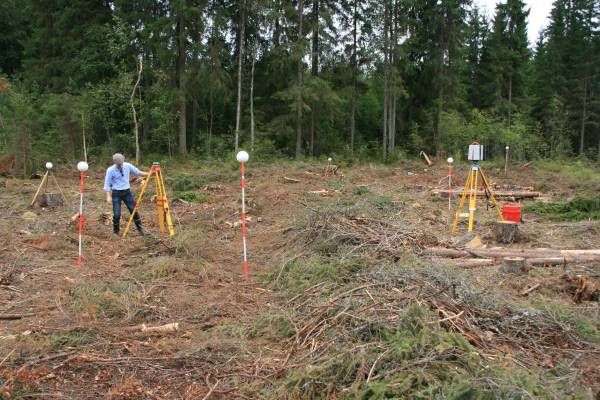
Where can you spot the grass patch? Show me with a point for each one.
(578, 209)
(300, 274)
(271, 327)
(192, 197)
(117, 300)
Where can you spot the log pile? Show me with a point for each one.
(470, 258)
(515, 195)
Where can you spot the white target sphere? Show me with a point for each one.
(242, 156)
(49, 165)
(507, 148)
(82, 166)
(329, 159)
(450, 160)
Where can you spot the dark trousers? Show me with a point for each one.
(126, 197)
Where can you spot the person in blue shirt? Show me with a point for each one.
(117, 188)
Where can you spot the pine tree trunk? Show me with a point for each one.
(300, 82)
(385, 81)
(210, 120)
(354, 74)
(182, 85)
(252, 138)
(510, 84)
(239, 77)
(138, 154)
(314, 72)
(583, 119)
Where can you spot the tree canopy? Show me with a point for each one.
(356, 79)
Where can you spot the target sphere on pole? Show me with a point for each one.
(242, 156)
(82, 166)
(49, 165)
(450, 160)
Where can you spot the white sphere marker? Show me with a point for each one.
(82, 166)
(450, 160)
(243, 157)
(49, 165)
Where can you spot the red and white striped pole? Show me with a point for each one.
(450, 161)
(82, 166)
(243, 157)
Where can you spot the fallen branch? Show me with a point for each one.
(168, 328)
(290, 180)
(14, 316)
(531, 289)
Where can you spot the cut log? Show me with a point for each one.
(168, 328)
(514, 265)
(444, 252)
(481, 193)
(506, 232)
(583, 255)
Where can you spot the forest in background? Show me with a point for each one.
(366, 80)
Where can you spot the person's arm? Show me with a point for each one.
(137, 172)
(107, 187)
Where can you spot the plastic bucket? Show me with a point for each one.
(512, 212)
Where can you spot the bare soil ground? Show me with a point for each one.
(338, 273)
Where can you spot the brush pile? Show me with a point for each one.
(420, 326)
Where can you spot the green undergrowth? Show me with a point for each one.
(419, 360)
(73, 339)
(577, 209)
(300, 274)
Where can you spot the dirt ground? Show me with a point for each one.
(69, 332)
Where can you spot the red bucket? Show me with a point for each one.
(512, 212)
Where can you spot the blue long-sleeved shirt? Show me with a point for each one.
(118, 179)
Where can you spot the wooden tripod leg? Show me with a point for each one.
(59, 189)
(492, 197)
(42, 183)
(473, 199)
(137, 203)
(166, 208)
(462, 204)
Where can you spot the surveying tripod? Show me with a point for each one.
(471, 189)
(162, 204)
(44, 184)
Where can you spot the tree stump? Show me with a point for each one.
(506, 232)
(49, 200)
(514, 265)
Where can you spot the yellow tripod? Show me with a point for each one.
(471, 189)
(162, 204)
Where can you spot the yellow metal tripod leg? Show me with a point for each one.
(160, 202)
(492, 197)
(166, 211)
(137, 203)
(462, 204)
(473, 197)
